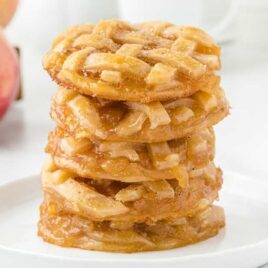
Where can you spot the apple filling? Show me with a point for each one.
(110, 119)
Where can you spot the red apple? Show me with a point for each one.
(9, 74)
(7, 10)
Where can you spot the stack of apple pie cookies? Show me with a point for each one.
(131, 165)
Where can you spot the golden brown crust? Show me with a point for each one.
(130, 162)
(145, 62)
(70, 230)
(140, 202)
(136, 122)
(132, 157)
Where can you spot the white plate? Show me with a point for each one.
(243, 243)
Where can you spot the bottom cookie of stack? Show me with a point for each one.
(70, 230)
(127, 217)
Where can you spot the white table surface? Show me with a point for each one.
(242, 138)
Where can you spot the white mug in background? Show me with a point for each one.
(252, 21)
(38, 22)
(215, 16)
(83, 11)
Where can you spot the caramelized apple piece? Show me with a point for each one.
(111, 76)
(210, 171)
(131, 193)
(205, 214)
(115, 166)
(184, 64)
(178, 221)
(204, 42)
(125, 237)
(63, 95)
(183, 46)
(161, 73)
(49, 165)
(131, 123)
(60, 176)
(157, 114)
(161, 187)
(181, 114)
(199, 36)
(129, 50)
(53, 176)
(161, 155)
(212, 61)
(85, 110)
(131, 38)
(121, 225)
(76, 60)
(187, 102)
(128, 65)
(197, 149)
(117, 149)
(159, 148)
(202, 204)
(207, 100)
(196, 172)
(181, 174)
(72, 146)
(82, 198)
(155, 111)
(96, 41)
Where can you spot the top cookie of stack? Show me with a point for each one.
(164, 73)
(144, 62)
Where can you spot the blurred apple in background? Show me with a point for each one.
(9, 74)
(7, 10)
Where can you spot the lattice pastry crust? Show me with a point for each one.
(140, 202)
(71, 230)
(134, 162)
(88, 117)
(145, 62)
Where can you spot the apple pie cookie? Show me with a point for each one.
(87, 117)
(71, 230)
(133, 162)
(100, 199)
(146, 62)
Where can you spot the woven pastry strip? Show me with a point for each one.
(133, 162)
(71, 230)
(145, 62)
(137, 122)
(140, 202)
